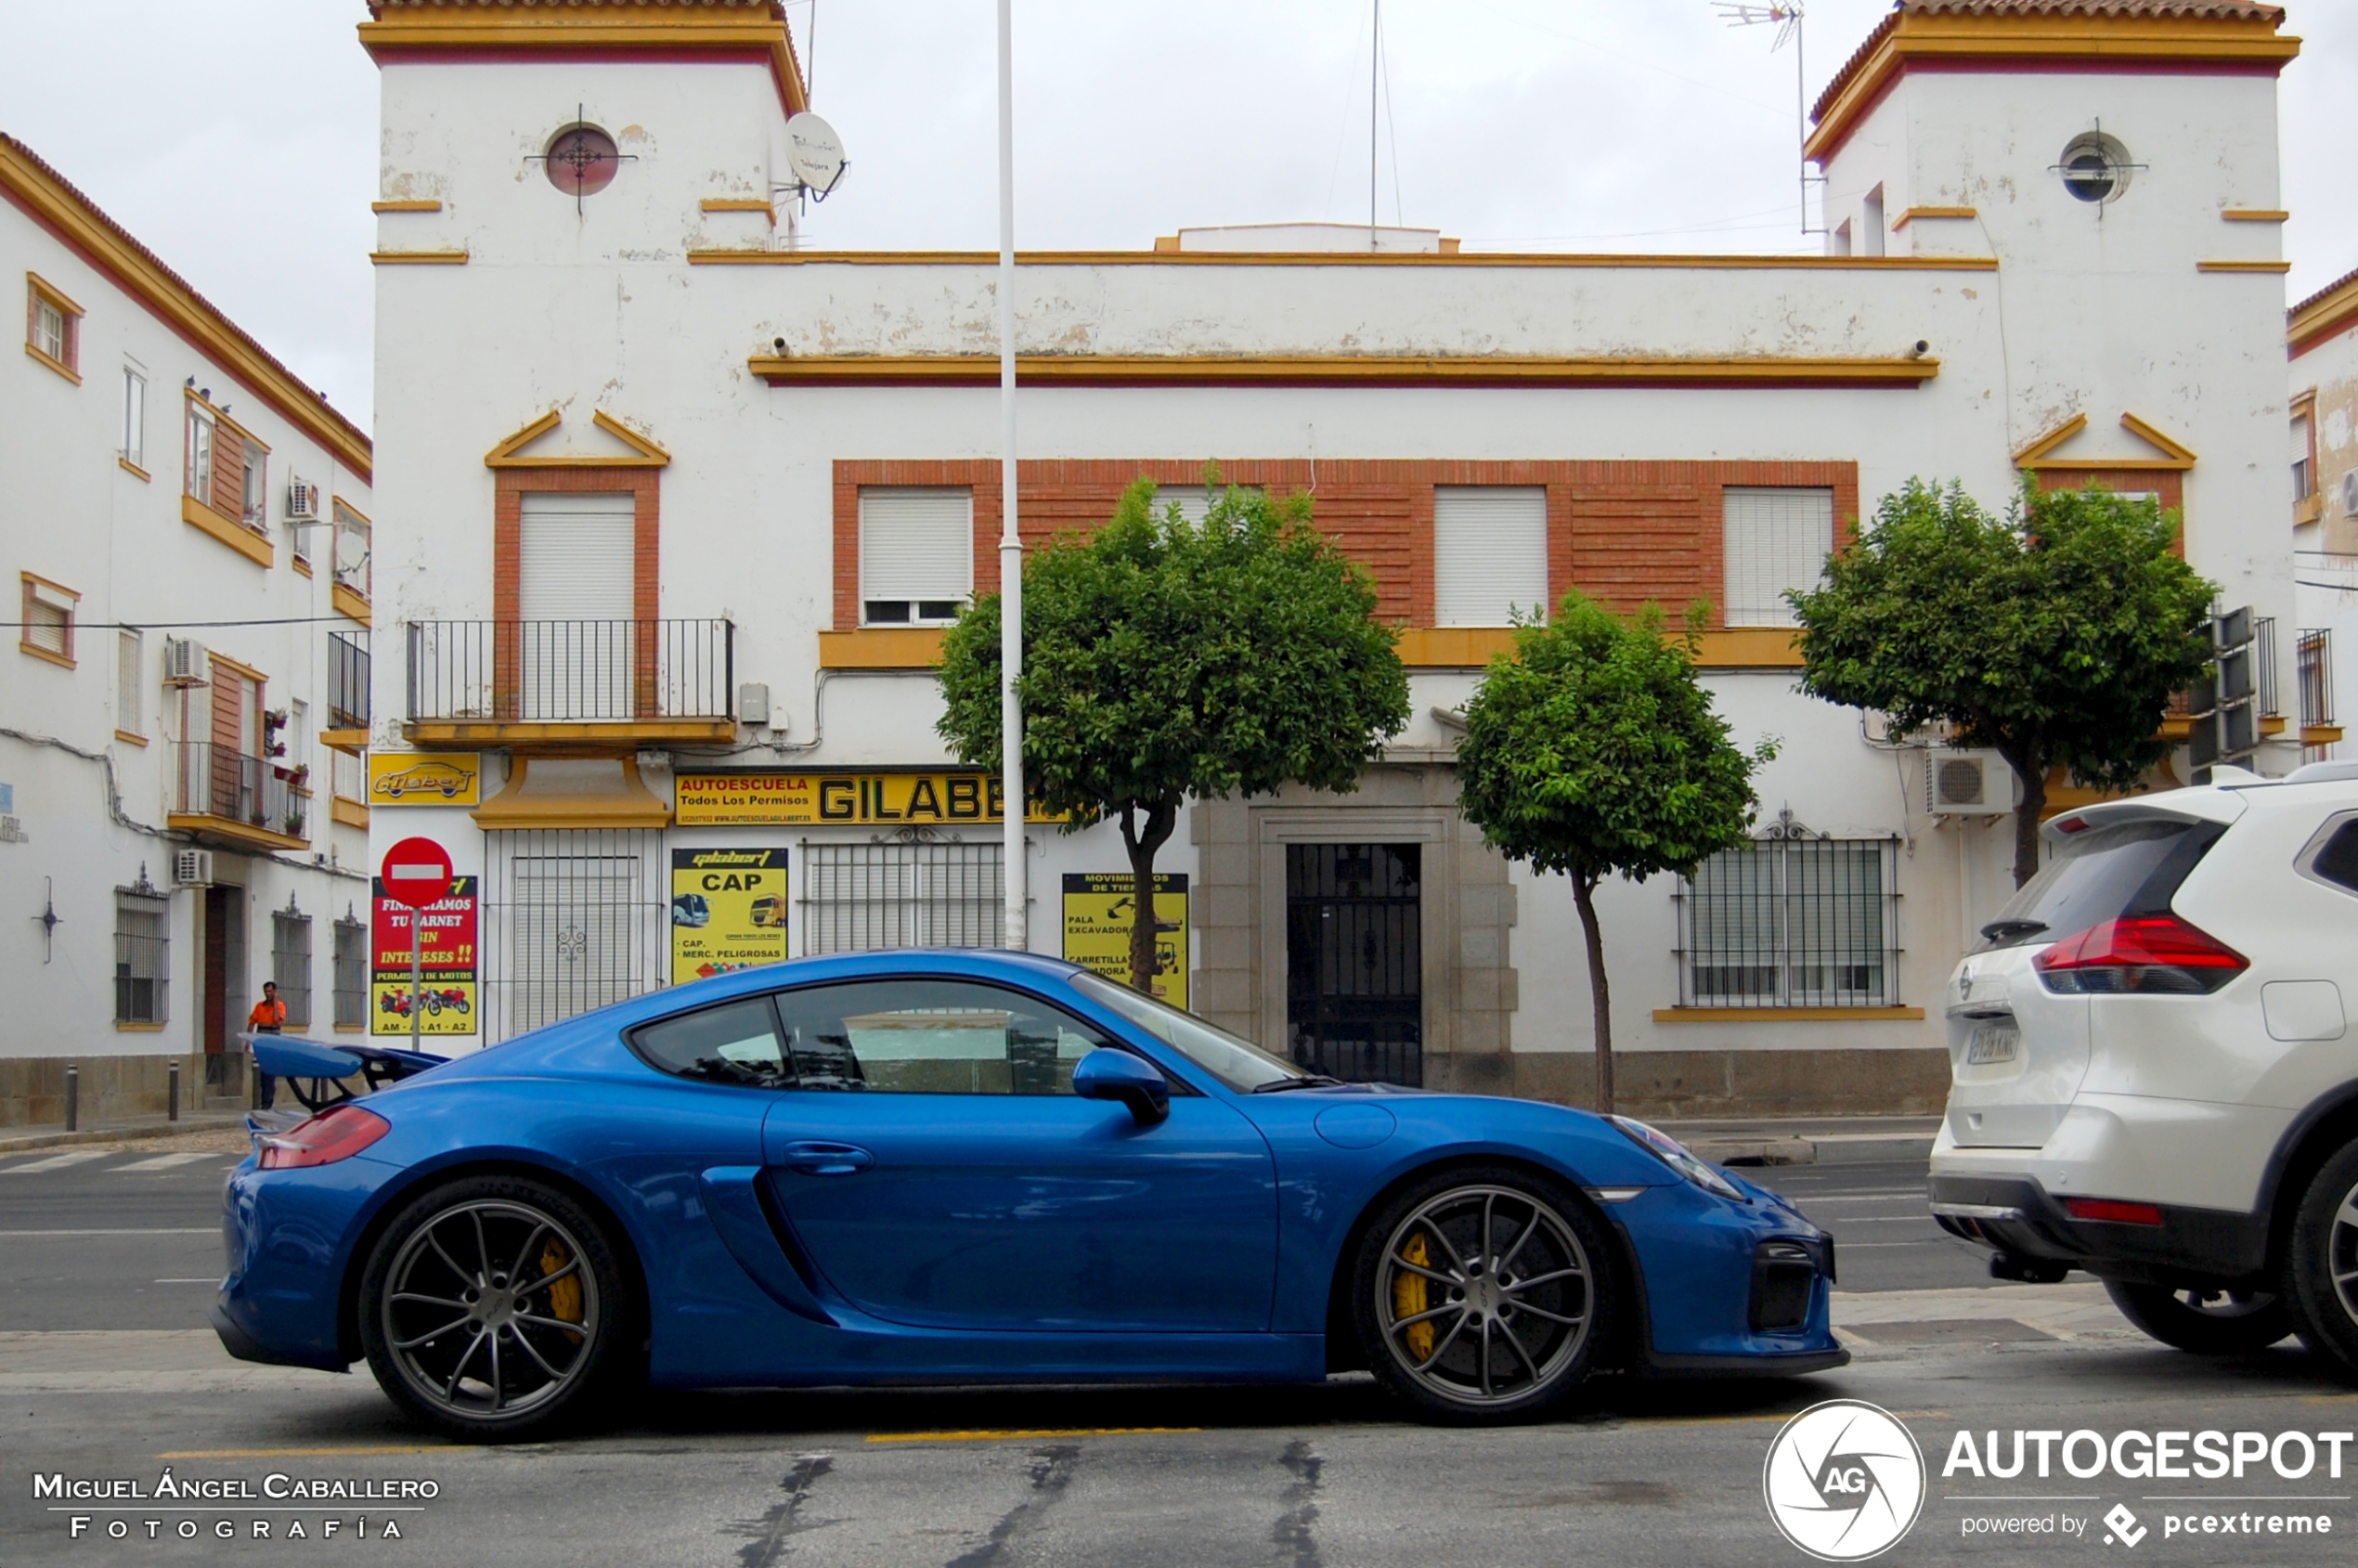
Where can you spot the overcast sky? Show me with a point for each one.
(236, 138)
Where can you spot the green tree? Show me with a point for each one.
(2053, 635)
(1164, 659)
(1594, 750)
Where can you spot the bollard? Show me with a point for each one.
(74, 1097)
(172, 1097)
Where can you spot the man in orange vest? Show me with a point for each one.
(269, 1016)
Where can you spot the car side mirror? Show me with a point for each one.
(1109, 1074)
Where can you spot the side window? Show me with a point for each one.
(735, 1043)
(932, 1037)
(2337, 859)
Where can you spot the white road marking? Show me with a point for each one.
(208, 1280)
(158, 1162)
(57, 1161)
(183, 1230)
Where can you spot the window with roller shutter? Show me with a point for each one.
(917, 555)
(1489, 554)
(1777, 540)
(575, 648)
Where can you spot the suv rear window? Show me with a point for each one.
(2125, 869)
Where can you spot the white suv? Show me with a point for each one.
(2153, 1078)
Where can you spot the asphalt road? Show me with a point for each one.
(106, 1372)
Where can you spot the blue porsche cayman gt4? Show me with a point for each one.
(969, 1167)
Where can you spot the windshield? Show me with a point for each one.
(1239, 1063)
(2104, 873)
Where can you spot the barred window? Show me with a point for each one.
(859, 897)
(142, 953)
(351, 962)
(291, 962)
(1794, 920)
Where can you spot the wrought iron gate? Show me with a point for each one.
(1354, 961)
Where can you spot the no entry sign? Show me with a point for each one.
(417, 872)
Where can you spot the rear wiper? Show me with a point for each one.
(1279, 1085)
(2016, 927)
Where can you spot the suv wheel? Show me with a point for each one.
(2323, 1266)
(2205, 1322)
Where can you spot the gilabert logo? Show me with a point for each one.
(1844, 1480)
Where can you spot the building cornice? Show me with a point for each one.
(52, 201)
(713, 31)
(1341, 258)
(1356, 370)
(2325, 315)
(2161, 36)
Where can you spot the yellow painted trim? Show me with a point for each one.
(352, 742)
(2322, 317)
(630, 806)
(649, 455)
(475, 732)
(2147, 432)
(1177, 369)
(72, 593)
(352, 813)
(1343, 258)
(2243, 266)
(350, 508)
(62, 661)
(227, 529)
(133, 469)
(129, 739)
(2041, 444)
(57, 365)
(419, 258)
(1913, 214)
(632, 27)
(121, 1027)
(348, 602)
(2009, 38)
(1751, 647)
(245, 669)
(176, 304)
(1452, 647)
(54, 295)
(229, 827)
(2168, 729)
(2254, 214)
(2271, 724)
(2034, 457)
(740, 204)
(2309, 508)
(417, 206)
(1787, 1014)
(363, 1029)
(885, 647)
(301, 565)
(2319, 734)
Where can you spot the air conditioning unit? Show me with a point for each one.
(303, 501)
(1967, 783)
(183, 662)
(192, 868)
(2349, 494)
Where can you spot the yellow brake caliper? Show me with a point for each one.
(564, 1296)
(1409, 1298)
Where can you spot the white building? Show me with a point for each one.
(2322, 343)
(189, 526)
(675, 501)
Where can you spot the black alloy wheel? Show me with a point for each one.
(2203, 1322)
(2322, 1266)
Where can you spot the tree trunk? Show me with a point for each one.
(2033, 773)
(1599, 995)
(1161, 818)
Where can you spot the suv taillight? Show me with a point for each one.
(2139, 956)
(338, 1133)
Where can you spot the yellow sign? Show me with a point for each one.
(448, 1006)
(849, 799)
(728, 910)
(1098, 912)
(422, 778)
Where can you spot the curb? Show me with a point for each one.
(121, 1134)
(1852, 1149)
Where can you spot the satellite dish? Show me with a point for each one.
(352, 551)
(815, 153)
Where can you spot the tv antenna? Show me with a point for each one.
(1785, 16)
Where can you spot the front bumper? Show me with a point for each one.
(2017, 1216)
(1708, 1270)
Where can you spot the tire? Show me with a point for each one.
(1454, 1234)
(505, 1362)
(2322, 1263)
(2204, 1323)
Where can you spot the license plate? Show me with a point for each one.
(1992, 1042)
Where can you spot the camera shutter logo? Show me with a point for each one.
(1844, 1480)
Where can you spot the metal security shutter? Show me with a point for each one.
(571, 922)
(915, 546)
(858, 898)
(1775, 540)
(1489, 554)
(575, 554)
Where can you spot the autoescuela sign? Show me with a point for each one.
(845, 799)
(447, 995)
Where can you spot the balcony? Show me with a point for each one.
(580, 682)
(246, 800)
(2314, 669)
(347, 727)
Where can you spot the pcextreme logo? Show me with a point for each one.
(1844, 1480)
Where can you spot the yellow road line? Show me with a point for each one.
(304, 1452)
(1006, 1436)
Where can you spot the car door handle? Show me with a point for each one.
(816, 1158)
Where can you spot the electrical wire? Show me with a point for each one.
(160, 625)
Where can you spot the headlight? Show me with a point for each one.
(1673, 1153)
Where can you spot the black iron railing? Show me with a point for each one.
(213, 781)
(1793, 921)
(571, 671)
(2264, 631)
(2313, 664)
(348, 680)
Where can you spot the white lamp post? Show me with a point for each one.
(1010, 542)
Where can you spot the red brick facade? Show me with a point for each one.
(1621, 532)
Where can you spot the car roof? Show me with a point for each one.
(2232, 793)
